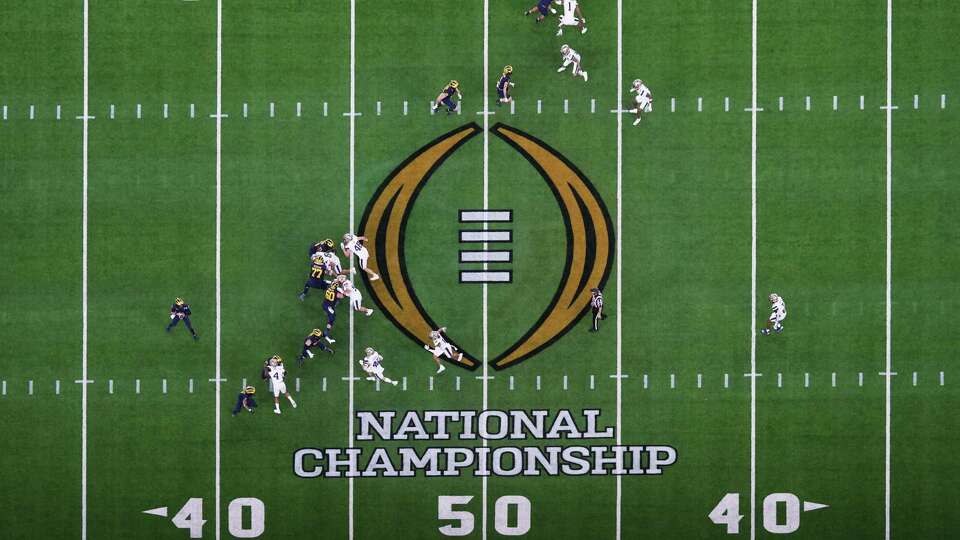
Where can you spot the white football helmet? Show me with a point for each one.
(564, 49)
(773, 297)
(347, 237)
(369, 351)
(637, 82)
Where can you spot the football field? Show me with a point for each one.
(156, 149)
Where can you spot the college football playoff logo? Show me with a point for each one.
(589, 248)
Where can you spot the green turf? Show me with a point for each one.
(684, 304)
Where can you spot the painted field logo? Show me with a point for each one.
(589, 249)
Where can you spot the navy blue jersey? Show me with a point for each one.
(504, 82)
(183, 308)
(449, 91)
(312, 341)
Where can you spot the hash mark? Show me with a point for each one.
(860, 379)
(673, 380)
(299, 107)
(297, 386)
(511, 383)
(539, 106)
(166, 111)
(57, 387)
(458, 383)
(512, 106)
(943, 101)
(806, 380)
(564, 382)
(138, 385)
(431, 383)
(807, 103)
(30, 387)
(593, 105)
(404, 384)
(699, 104)
(164, 386)
(58, 111)
(323, 388)
(914, 378)
(404, 108)
(31, 112)
(699, 380)
(139, 112)
(726, 380)
(941, 382)
(781, 103)
(378, 108)
(566, 105)
(592, 386)
(833, 379)
(726, 104)
(861, 103)
(836, 103)
(377, 384)
(273, 109)
(779, 380)
(191, 386)
(193, 110)
(916, 101)
(538, 383)
(324, 108)
(110, 386)
(646, 381)
(673, 104)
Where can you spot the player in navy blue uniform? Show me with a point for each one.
(245, 400)
(311, 341)
(315, 278)
(180, 311)
(324, 246)
(446, 97)
(543, 6)
(503, 86)
(331, 297)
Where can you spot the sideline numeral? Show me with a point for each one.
(501, 515)
(190, 517)
(727, 512)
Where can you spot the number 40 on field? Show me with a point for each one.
(727, 512)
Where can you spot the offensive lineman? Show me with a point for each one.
(372, 365)
(778, 314)
(571, 56)
(354, 245)
(572, 16)
(643, 99)
(277, 373)
(441, 348)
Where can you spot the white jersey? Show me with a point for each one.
(277, 373)
(371, 363)
(348, 290)
(569, 17)
(779, 310)
(354, 245)
(571, 55)
(642, 91)
(332, 262)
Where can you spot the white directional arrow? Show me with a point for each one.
(162, 511)
(810, 506)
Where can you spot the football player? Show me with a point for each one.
(331, 297)
(544, 7)
(356, 299)
(571, 56)
(323, 246)
(643, 99)
(441, 348)
(446, 97)
(596, 304)
(372, 365)
(503, 86)
(245, 400)
(353, 245)
(311, 341)
(572, 16)
(777, 315)
(180, 311)
(315, 279)
(277, 373)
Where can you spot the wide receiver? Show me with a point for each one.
(441, 348)
(777, 315)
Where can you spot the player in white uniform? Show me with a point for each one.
(644, 99)
(572, 16)
(277, 373)
(777, 315)
(354, 245)
(372, 365)
(356, 299)
(571, 56)
(441, 348)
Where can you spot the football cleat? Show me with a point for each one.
(441, 370)
(302, 296)
(369, 312)
(329, 339)
(393, 383)
(764, 331)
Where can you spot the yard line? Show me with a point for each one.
(217, 271)
(352, 178)
(486, 206)
(84, 271)
(887, 301)
(619, 257)
(753, 274)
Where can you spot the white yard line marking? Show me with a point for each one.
(673, 104)
(299, 109)
(217, 273)
(486, 205)
(619, 257)
(699, 104)
(889, 277)
(84, 272)
(726, 104)
(753, 274)
(352, 166)
(539, 106)
(836, 103)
